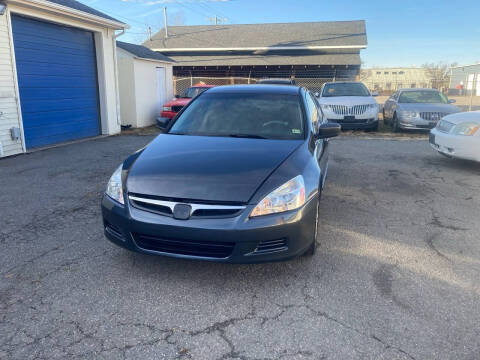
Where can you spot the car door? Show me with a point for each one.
(388, 106)
(314, 113)
(393, 104)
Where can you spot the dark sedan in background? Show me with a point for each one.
(417, 109)
(236, 177)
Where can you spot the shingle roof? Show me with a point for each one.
(142, 52)
(73, 4)
(331, 33)
(266, 59)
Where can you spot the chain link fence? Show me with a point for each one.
(180, 84)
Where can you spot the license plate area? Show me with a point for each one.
(349, 118)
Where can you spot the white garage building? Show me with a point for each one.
(145, 83)
(58, 74)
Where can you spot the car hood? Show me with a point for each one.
(178, 102)
(347, 100)
(444, 108)
(472, 116)
(206, 168)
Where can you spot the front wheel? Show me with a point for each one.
(395, 126)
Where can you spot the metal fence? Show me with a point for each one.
(180, 84)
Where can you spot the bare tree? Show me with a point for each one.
(439, 74)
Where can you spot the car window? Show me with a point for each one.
(423, 96)
(271, 116)
(312, 111)
(194, 92)
(345, 89)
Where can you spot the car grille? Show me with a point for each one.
(445, 126)
(214, 249)
(432, 116)
(349, 110)
(177, 108)
(164, 206)
(267, 246)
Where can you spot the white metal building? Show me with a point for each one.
(58, 78)
(145, 83)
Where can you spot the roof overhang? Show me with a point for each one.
(265, 48)
(69, 12)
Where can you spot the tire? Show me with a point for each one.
(313, 247)
(373, 128)
(395, 127)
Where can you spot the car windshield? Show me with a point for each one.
(193, 92)
(345, 89)
(423, 97)
(256, 115)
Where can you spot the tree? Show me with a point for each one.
(439, 74)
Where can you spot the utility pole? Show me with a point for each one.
(165, 21)
(150, 33)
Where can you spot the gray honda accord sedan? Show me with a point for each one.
(417, 109)
(236, 177)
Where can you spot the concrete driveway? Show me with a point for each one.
(397, 275)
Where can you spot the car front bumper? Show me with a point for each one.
(367, 120)
(356, 124)
(293, 231)
(457, 146)
(416, 124)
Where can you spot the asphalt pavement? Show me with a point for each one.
(396, 275)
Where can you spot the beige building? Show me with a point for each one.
(391, 79)
(145, 83)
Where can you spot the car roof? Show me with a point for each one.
(343, 82)
(257, 88)
(202, 86)
(276, 81)
(417, 89)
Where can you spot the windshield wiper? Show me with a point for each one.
(247, 136)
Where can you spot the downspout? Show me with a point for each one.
(115, 69)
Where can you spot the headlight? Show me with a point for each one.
(465, 129)
(372, 106)
(289, 196)
(408, 114)
(114, 187)
(325, 107)
(167, 108)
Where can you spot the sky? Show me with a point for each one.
(399, 33)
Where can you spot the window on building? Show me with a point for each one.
(402, 72)
(394, 73)
(386, 72)
(413, 85)
(379, 73)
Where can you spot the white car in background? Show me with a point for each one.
(458, 136)
(350, 104)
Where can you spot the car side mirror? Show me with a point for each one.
(451, 101)
(163, 123)
(374, 93)
(176, 96)
(317, 94)
(328, 130)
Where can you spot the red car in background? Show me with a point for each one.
(171, 108)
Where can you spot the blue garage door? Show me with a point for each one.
(57, 77)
